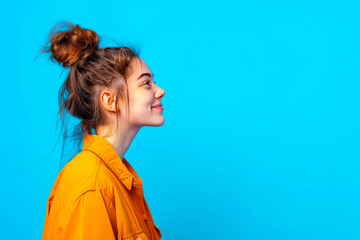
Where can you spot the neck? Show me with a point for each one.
(120, 139)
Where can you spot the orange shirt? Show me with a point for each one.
(98, 196)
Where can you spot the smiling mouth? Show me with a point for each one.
(157, 105)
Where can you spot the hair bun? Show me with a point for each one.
(69, 46)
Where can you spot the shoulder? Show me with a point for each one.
(84, 165)
(85, 172)
(78, 175)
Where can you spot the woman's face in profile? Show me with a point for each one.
(144, 94)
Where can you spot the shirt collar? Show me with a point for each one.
(102, 148)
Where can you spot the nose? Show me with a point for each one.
(160, 93)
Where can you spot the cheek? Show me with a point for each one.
(141, 103)
(140, 107)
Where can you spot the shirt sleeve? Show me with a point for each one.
(90, 218)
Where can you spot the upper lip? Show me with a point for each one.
(157, 105)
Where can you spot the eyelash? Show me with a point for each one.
(148, 82)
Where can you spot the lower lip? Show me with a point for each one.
(158, 108)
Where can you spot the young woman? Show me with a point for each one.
(98, 195)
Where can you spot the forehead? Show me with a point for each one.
(139, 66)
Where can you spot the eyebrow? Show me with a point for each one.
(145, 74)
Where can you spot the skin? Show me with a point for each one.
(143, 94)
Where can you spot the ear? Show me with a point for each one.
(107, 99)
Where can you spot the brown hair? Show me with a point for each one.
(91, 69)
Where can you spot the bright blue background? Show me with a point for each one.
(262, 115)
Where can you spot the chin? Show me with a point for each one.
(162, 122)
(157, 123)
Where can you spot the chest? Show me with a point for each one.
(133, 211)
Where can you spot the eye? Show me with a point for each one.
(146, 83)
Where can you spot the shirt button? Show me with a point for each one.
(144, 217)
(138, 239)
